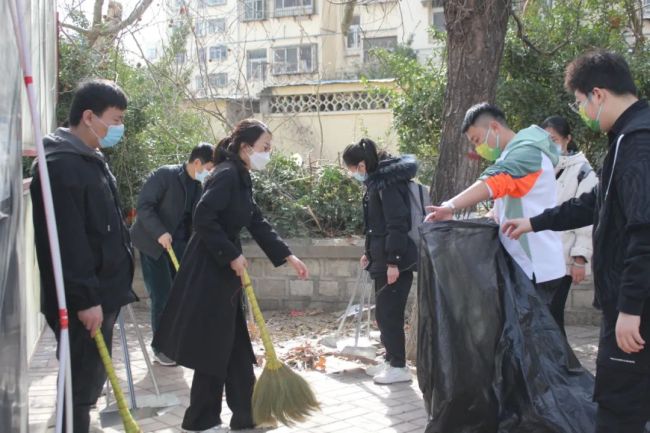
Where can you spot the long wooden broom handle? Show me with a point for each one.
(130, 426)
(173, 258)
(272, 361)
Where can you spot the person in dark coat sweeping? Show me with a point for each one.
(203, 326)
(390, 254)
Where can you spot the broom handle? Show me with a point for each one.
(130, 426)
(172, 256)
(272, 361)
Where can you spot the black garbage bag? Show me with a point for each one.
(491, 359)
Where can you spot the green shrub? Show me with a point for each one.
(308, 201)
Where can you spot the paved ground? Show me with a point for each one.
(351, 402)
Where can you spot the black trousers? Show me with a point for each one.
(206, 395)
(88, 373)
(390, 303)
(547, 291)
(623, 399)
(558, 303)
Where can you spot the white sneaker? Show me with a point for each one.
(374, 370)
(393, 375)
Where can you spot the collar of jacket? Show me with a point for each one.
(64, 141)
(635, 118)
(183, 174)
(244, 174)
(391, 171)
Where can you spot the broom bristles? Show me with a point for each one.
(282, 395)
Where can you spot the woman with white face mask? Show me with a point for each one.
(390, 255)
(574, 177)
(203, 327)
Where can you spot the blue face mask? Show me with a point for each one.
(202, 175)
(113, 135)
(360, 177)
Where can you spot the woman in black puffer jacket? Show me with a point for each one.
(390, 254)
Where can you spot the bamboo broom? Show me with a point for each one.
(130, 426)
(280, 394)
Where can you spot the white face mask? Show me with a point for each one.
(259, 160)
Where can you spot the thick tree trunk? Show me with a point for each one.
(476, 31)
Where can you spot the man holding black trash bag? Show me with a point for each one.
(619, 209)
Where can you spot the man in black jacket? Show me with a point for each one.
(94, 242)
(165, 207)
(619, 209)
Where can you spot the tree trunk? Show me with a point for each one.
(476, 31)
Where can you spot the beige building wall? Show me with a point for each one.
(347, 112)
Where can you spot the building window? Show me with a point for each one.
(180, 58)
(353, 39)
(200, 83)
(205, 3)
(218, 53)
(294, 60)
(438, 20)
(218, 80)
(256, 65)
(201, 55)
(216, 25)
(387, 43)
(254, 10)
(646, 9)
(285, 8)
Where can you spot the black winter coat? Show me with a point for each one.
(387, 216)
(197, 328)
(95, 247)
(161, 207)
(619, 209)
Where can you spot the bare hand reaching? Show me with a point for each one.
(516, 227)
(239, 265)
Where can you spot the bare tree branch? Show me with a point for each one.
(75, 28)
(97, 13)
(521, 34)
(135, 15)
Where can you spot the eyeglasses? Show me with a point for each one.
(575, 106)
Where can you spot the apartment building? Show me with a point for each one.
(239, 47)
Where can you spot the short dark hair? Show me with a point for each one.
(203, 151)
(601, 69)
(96, 95)
(479, 110)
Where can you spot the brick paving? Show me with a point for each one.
(350, 401)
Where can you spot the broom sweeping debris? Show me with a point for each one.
(280, 394)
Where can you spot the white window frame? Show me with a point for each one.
(254, 10)
(220, 53)
(366, 52)
(440, 11)
(255, 64)
(218, 80)
(215, 25)
(199, 83)
(280, 68)
(305, 7)
(354, 34)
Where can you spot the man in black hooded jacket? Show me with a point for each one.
(94, 243)
(619, 209)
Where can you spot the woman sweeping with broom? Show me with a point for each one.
(203, 326)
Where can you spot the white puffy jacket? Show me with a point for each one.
(576, 242)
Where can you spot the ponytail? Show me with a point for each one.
(365, 150)
(247, 132)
